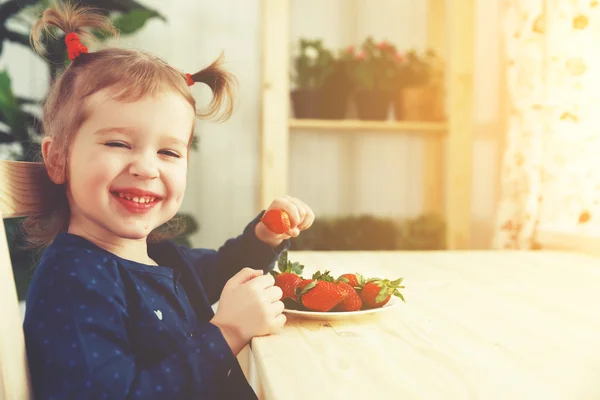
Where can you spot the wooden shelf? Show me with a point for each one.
(443, 160)
(360, 125)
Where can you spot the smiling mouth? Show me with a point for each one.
(136, 204)
(136, 199)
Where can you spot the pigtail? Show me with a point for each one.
(221, 82)
(68, 19)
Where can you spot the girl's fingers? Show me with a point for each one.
(308, 220)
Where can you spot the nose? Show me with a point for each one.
(144, 166)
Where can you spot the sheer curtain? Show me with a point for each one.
(551, 168)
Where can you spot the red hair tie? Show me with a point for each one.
(74, 46)
(189, 80)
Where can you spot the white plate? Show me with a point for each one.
(342, 315)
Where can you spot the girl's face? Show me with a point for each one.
(128, 165)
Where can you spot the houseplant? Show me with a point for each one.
(313, 64)
(20, 116)
(372, 69)
(419, 85)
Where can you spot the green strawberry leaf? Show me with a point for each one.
(361, 279)
(323, 276)
(295, 268)
(344, 279)
(396, 282)
(308, 287)
(274, 273)
(383, 294)
(398, 294)
(282, 262)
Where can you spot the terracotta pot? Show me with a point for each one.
(372, 104)
(419, 104)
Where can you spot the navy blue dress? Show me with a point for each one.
(98, 326)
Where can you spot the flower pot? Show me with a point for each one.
(418, 104)
(372, 104)
(305, 103)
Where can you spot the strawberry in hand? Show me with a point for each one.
(276, 220)
(285, 218)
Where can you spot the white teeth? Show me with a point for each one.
(143, 199)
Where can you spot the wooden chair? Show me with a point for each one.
(22, 189)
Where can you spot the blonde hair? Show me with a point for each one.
(132, 75)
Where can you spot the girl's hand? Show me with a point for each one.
(301, 218)
(250, 305)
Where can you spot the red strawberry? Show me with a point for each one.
(302, 285)
(288, 282)
(321, 295)
(355, 280)
(289, 276)
(351, 302)
(377, 292)
(276, 220)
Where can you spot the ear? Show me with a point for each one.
(54, 165)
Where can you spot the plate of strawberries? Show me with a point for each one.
(323, 296)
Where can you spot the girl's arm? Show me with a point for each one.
(77, 331)
(216, 267)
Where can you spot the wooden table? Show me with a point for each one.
(475, 325)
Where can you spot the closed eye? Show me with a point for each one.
(169, 153)
(116, 144)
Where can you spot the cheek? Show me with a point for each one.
(89, 172)
(177, 183)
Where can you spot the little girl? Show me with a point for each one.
(115, 310)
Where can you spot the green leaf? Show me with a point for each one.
(361, 279)
(396, 282)
(308, 287)
(9, 107)
(282, 261)
(383, 294)
(295, 268)
(344, 279)
(325, 276)
(132, 21)
(398, 294)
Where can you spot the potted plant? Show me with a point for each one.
(336, 90)
(312, 65)
(418, 94)
(372, 69)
